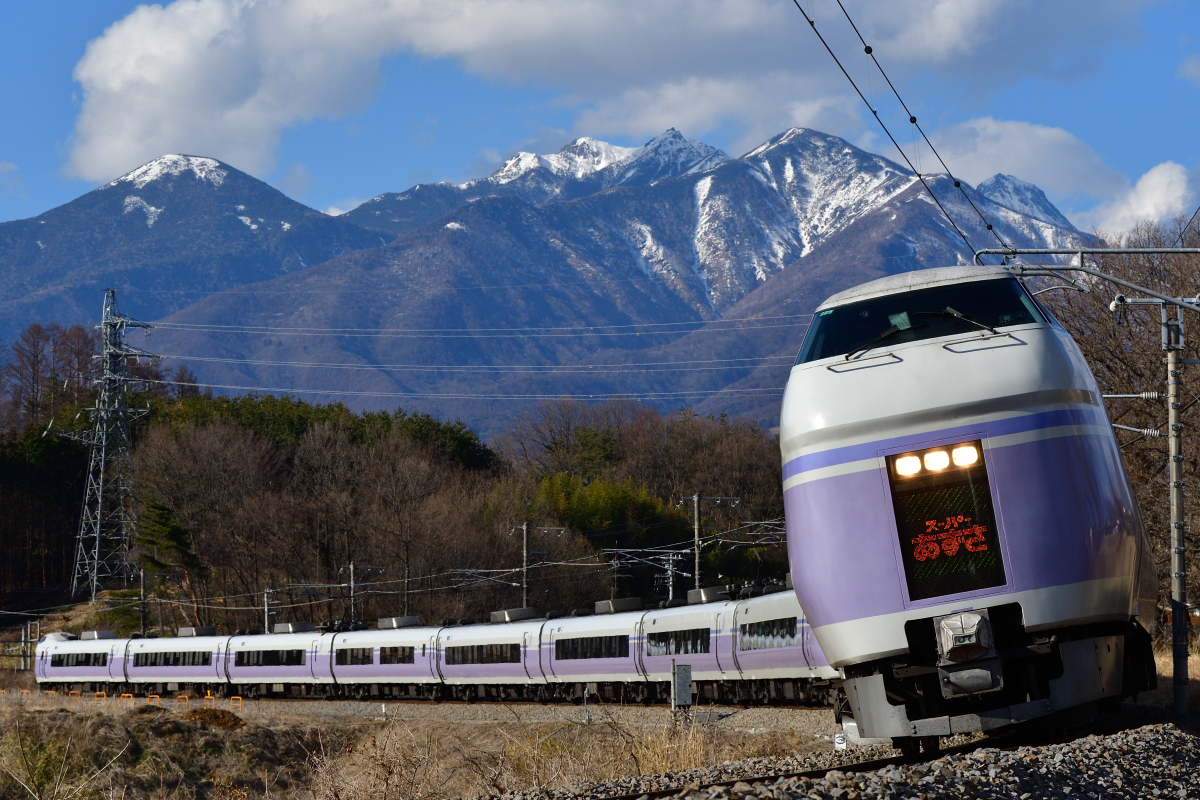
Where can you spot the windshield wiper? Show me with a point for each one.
(950, 313)
(889, 333)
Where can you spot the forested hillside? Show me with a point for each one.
(239, 495)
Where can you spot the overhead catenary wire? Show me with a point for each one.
(709, 326)
(875, 112)
(912, 118)
(467, 395)
(537, 369)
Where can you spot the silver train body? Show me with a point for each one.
(758, 650)
(961, 530)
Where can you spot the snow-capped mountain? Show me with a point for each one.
(166, 234)
(1025, 198)
(614, 276)
(584, 167)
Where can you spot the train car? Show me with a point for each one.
(158, 665)
(697, 635)
(961, 530)
(491, 661)
(601, 650)
(294, 664)
(93, 663)
(389, 662)
(755, 650)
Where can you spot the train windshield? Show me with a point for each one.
(924, 314)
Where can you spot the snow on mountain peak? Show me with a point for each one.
(1022, 196)
(665, 156)
(205, 169)
(670, 154)
(586, 155)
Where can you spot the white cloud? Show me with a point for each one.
(1159, 195)
(343, 206)
(11, 179)
(1189, 70)
(225, 78)
(296, 181)
(1052, 158)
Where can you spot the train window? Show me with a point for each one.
(269, 658)
(768, 634)
(189, 658)
(354, 656)
(79, 660)
(945, 520)
(591, 647)
(924, 314)
(483, 654)
(673, 643)
(397, 655)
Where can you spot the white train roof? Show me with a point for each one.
(911, 281)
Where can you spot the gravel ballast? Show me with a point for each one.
(1153, 761)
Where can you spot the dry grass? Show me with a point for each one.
(418, 760)
(1163, 696)
(83, 752)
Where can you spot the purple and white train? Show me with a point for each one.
(961, 530)
(757, 650)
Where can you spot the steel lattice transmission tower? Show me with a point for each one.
(108, 522)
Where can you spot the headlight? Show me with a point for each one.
(965, 455)
(937, 460)
(908, 465)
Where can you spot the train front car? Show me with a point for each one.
(961, 530)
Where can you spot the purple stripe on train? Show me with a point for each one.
(1003, 427)
(1062, 517)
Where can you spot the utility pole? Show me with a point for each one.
(696, 498)
(267, 609)
(525, 529)
(142, 599)
(108, 522)
(1173, 343)
(1179, 604)
(354, 569)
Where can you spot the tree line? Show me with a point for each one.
(237, 495)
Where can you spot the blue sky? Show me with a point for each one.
(1098, 102)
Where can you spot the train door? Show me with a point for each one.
(735, 638)
(525, 645)
(716, 639)
(639, 635)
(548, 666)
(805, 635)
(116, 671)
(435, 642)
(315, 650)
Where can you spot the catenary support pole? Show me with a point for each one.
(1179, 606)
(524, 565)
(696, 529)
(142, 598)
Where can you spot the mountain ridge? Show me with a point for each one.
(165, 234)
(499, 301)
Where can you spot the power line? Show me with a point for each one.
(466, 395)
(913, 121)
(476, 333)
(537, 369)
(813, 24)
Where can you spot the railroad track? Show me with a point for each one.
(1008, 741)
